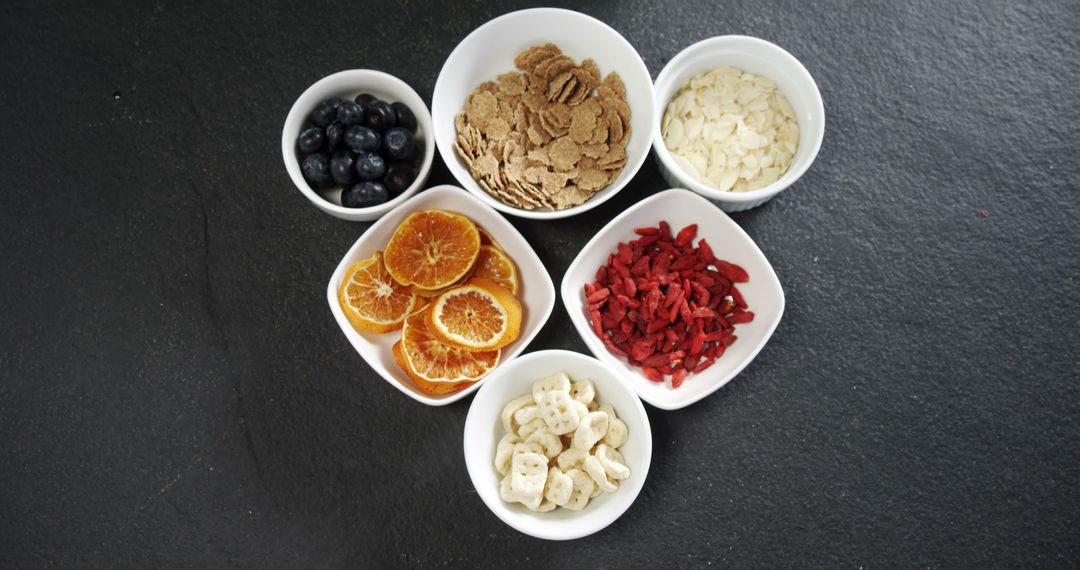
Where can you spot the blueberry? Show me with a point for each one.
(370, 166)
(397, 144)
(335, 133)
(398, 178)
(417, 158)
(364, 98)
(364, 195)
(405, 117)
(362, 139)
(350, 114)
(316, 170)
(310, 140)
(379, 115)
(341, 168)
(325, 112)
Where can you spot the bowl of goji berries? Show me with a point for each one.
(674, 296)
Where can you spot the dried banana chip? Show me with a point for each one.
(599, 475)
(583, 391)
(572, 458)
(559, 412)
(559, 487)
(524, 431)
(507, 494)
(590, 430)
(528, 473)
(555, 383)
(612, 461)
(504, 451)
(507, 415)
(582, 491)
(549, 441)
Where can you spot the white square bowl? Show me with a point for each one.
(537, 293)
(763, 293)
(483, 429)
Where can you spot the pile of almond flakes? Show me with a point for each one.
(541, 138)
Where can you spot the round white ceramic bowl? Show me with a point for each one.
(490, 50)
(347, 85)
(761, 58)
(483, 429)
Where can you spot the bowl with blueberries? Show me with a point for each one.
(358, 143)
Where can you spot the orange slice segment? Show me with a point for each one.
(372, 300)
(432, 249)
(429, 360)
(480, 315)
(493, 264)
(429, 388)
(432, 293)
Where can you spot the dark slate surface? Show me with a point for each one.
(175, 393)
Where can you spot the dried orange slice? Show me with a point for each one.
(432, 293)
(429, 388)
(432, 249)
(427, 360)
(479, 315)
(493, 264)
(372, 300)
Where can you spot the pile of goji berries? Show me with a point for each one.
(666, 305)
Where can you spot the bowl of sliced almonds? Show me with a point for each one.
(738, 120)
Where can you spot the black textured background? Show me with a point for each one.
(175, 392)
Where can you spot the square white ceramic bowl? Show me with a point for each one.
(537, 293)
(490, 50)
(483, 429)
(729, 242)
(761, 58)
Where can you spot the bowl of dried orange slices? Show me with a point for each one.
(438, 293)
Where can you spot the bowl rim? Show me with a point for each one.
(292, 160)
(576, 528)
(585, 332)
(471, 186)
(544, 312)
(739, 41)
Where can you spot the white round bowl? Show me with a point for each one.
(761, 58)
(347, 85)
(490, 50)
(483, 429)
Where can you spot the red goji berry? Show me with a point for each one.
(665, 230)
(731, 271)
(678, 377)
(737, 297)
(739, 318)
(703, 365)
(598, 295)
(686, 235)
(614, 349)
(704, 251)
(646, 231)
